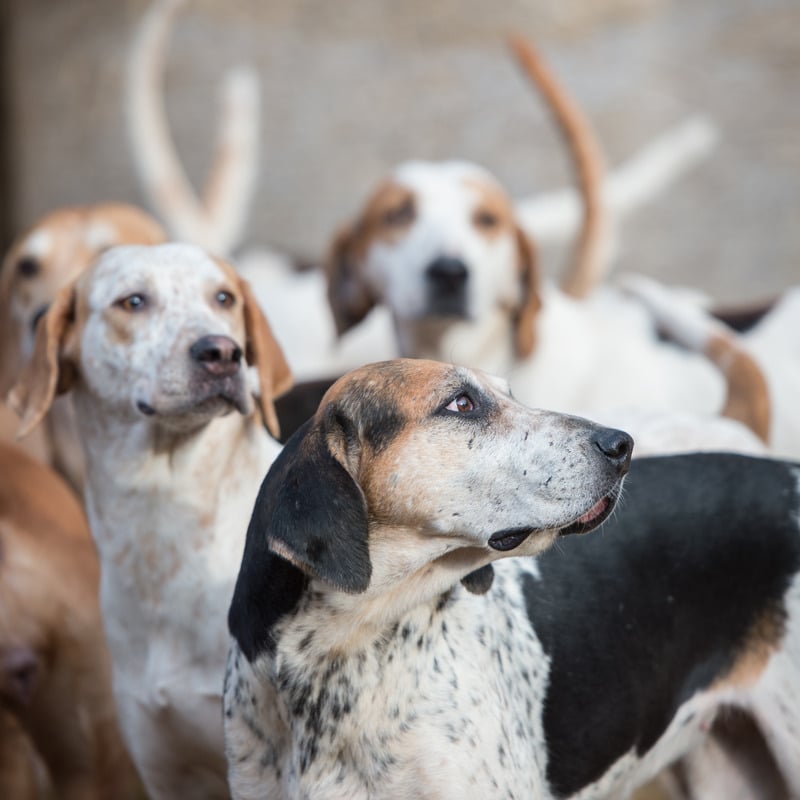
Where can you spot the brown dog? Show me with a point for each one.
(55, 672)
(41, 261)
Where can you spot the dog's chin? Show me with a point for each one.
(509, 539)
(197, 407)
(445, 310)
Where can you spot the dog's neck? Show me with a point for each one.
(179, 503)
(488, 343)
(355, 620)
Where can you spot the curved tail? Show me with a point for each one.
(594, 242)
(217, 219)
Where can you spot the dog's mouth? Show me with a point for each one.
(595, 516)
(206, 398)
(511, 538)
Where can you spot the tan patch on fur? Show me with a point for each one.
(49, 578)
(763, 640)
(493, 205)
(387, 216)
(748, 399)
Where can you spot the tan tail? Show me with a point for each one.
(590, 261)
(216, 221)
(748, 399)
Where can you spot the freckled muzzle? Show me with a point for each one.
(615, 448)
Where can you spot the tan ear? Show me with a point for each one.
(46, 374)
(263, 351)
(349, 296)
(525, 315)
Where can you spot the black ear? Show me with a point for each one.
(309, 520)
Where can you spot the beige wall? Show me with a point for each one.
(351, 88)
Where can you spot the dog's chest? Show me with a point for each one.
(448, 699)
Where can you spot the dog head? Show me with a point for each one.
(438, 243)
(47, 257)
(162, 332)
(412, 475)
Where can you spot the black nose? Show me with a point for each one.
(219, 355)
(447, 274)
(615, 445)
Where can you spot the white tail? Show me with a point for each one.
(217, 221)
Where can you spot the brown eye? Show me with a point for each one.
(400, 215)
(486, 219)
(462, 404)
(225, 299)
(133, 302)
(28, 267)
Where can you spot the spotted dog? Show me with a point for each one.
(172, 369)
(381, 650)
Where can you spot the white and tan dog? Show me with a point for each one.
(154, 344)
(439, 244)
(40, 262)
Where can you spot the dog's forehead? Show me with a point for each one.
(158, 267)
(411, 386)
(451, 182)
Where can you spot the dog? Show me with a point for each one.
(381, 648)
(439, 244)
(41, 261)
(164, 350)
(55, 670)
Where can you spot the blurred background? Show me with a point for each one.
(350, 88)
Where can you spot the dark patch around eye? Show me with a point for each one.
(486, 219)
(28, 267)
(400, 215)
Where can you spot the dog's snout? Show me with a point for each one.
(448, 274)
(219, 355)
(615, 445)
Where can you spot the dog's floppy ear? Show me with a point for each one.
(309, 520)
(349, 296)
(263, 351)
(47, 373)
(531, 302)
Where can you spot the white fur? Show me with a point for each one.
(169, 497)
(600, 356)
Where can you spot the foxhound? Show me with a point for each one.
(40, 262)
(440, 246)
(172, 368)
(385, 644)
(55, 670)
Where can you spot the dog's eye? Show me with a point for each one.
(133, 302)
(486, 219)
(462, 404)
(28, 267)
(225, 299)
(399, 215)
